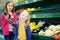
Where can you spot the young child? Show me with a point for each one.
(9, 14)
(24, 32)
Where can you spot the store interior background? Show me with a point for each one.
(40, 10)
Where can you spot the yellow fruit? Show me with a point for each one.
(32, 9)
(36, 26)
(28, 9)
(32, 25)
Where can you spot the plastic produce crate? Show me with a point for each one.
(40, 37)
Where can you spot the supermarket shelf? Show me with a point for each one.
(54, 21)
(30, 5)
(44, 3)
(27, 2)
(45, 15)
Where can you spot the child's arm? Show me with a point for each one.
(4, 21)
(15, 19)
(28, 33)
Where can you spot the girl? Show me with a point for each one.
(24, 32)
(9, 14)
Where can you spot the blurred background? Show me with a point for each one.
(43, 14)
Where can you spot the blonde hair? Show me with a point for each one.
(28, 18)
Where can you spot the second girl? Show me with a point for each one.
(7, 28)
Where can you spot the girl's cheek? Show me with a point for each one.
(22, 18)
(11, 8)
(7, 7)
(25, 18)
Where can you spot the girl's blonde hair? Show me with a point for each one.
(28, 18)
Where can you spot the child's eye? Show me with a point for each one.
(25, 16)
(9, 5)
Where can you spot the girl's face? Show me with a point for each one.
(10, 6)
(24, 17)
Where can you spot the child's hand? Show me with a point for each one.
(7, 16)
(12, 17)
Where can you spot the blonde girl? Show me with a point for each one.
(24, 32)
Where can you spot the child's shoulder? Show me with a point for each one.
(2, 14)
(14, 14)
(28, 26)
